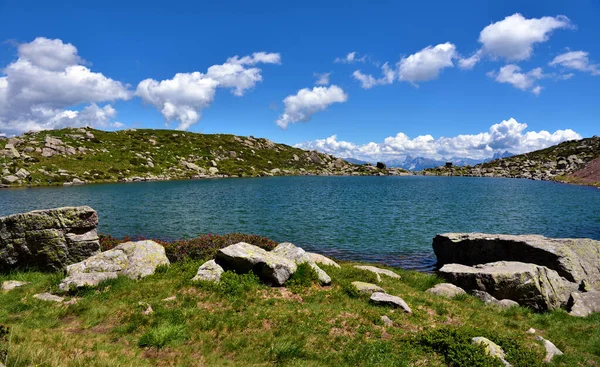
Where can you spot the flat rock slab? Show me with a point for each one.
(210, 271)
(48, 239)
(583, 304)
(367, 288)
(389, 300)
(575, 259)
(446, 290)
(9, 285)
(243, 257)
(529, 285)
(48, 297)
(131, 259)
(378, 271)
(322, 260)
(299, 256)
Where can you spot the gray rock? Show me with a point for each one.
(146, 308)
(506, 303)
(9, 151)
(574, 259)
(378, 271)
(387, 321)
(22, 173)
(445, 290)
(491, 349)
(131, 259)
(77, 181)
(49, 239)
(9, 285)
(213, 170)
(10, 179)
(551, 349)
(322, 260)
(243, 257)
(529, 285)
(389, 300)
(488, 299)
(583, 304)
(367, 288)
(209, 271)
(299, 256)
(48, 297)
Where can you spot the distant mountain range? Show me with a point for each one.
(421, 163)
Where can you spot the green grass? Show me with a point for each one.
(243, 322)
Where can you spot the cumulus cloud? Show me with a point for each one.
(507, 135)
(351, 58)
(469, 62)
(322, 78)
(186, 95)
(512, 74)
(367, 81)
(576, 60)
(301, 106)
(47, 78)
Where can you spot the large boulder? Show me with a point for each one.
(131, 259)
(583, 304)
(49, 239)
(243, 257)
(574, 259)
(527, 284)
(299, 256)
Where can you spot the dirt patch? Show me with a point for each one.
(588, 174)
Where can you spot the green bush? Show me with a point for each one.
(235, 285)
(304, 277)
(162, 335)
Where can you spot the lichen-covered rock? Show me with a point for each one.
(210, 271)
(488, 299)
(583, 304)
(529, 285)
(131, 259)
(299, 256)
(49, 239)
(9, 285)
(575, 259)
(389, 300)
(491, 349)
(322, 260)
(367, 288)
(243, 257)
(49, 297)
(446, 290)
(378, 271)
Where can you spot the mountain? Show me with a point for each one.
(75, 156)
(421, 163)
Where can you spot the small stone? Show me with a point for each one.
(146, 308)
(378, 271)
(367, 288)
(48, 297)
(387, 321)
(492, 349)
(551, 349)
(322, 260)
(531, 331)
(9, 285)
(209, 271)
(72, 301)
(446, 290)
(386, 299)
(170, 299)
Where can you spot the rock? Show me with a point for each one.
(446, 290)
(190, 165)
(170, 299)
(386, 299)
(529, 285)
(378, 271)
(213, 170)
(583, 304)
(367, 288)
(77, 181)
(531, 331)
(209, 271)
(48, 297)
(585, 286)
(322, 260)
(506, 303)
(387, 321)
(9, 151)
(488, 299)
(243, 257)
(146, 308)
(131, 259)
(299, 256)
(9, 285)
(574, 259)
(551, 349)
(49, 239)
(22, 173)
(10, 179)
(491, 349)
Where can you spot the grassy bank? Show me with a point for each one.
(242, 322)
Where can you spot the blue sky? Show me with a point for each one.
(429, 95)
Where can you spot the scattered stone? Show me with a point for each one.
(367, 288)
(551, 349)
(146, 308)
(22, 173)
(488, 299)
(77, 181)
(322, 260)
(531, 331)
(48, 297)
(299, 256)
(170, 299)
(9, 285)
(243, 257)
(387, 321)
(10, 179)
(507, 303)
(491, 349)
(49, 239)
(209, 271)
(213, 170)
(72, 301)
(583, 304)
(131, 259)
(446, 290)
(378, 271)
(386, 299)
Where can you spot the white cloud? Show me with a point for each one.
(351, 58)
(426, 64)
(47, 78)
(368, 81)
(512, 74)
(469, 62)
(508, 135)
(576, 60)
(322, 78)
(184, 97)
(514, 37)
(304, 104)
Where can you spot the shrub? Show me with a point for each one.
(304, 277)
(235, 285)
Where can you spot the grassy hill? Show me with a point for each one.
(89, 155)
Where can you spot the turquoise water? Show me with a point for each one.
(381, 219)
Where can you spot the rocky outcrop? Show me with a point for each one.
(210, 271)
(574, 259)
(299, 256)
(130, 259)
(583, 304)
(243, 257)
(49, 239)
(527, 284)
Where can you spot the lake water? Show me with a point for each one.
(391, 220)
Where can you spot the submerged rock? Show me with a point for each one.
(49, 239)
(446, 290)
(209, 271)
(299, 256)
(386, 299)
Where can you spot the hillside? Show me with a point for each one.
(85, 155)
(570, 161)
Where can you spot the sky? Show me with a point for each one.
(374, 80)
